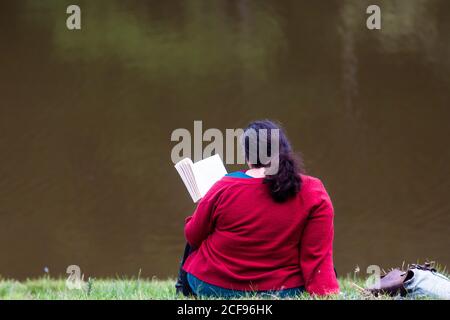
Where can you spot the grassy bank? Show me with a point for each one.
(48, 289)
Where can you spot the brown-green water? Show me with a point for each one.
(86, 116)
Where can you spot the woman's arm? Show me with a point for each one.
(201, 223)
(316, 246)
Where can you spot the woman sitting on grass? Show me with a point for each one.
(258, 233)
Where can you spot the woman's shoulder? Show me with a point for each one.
(312, 185)
(314, 194)
(310, 180)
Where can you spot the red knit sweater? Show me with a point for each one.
(246, 241)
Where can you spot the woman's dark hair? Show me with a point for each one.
(285, 182)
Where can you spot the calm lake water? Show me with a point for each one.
(86, 117)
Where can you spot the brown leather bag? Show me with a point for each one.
(392, 283)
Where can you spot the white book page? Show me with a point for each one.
(207, 172)
(185, 170)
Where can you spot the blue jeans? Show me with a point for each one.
(424, 283)
(205, 289)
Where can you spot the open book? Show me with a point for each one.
(200, 176)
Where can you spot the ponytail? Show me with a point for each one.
(286, 183)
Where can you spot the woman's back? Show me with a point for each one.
(247, 241)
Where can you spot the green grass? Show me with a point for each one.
(135, 289)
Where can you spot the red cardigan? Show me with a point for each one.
(246, 241)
